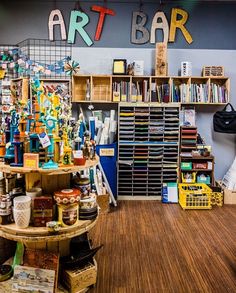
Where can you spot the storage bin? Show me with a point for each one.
(190, 179)
(108, 159)
(186, 165)
(80, 279)
(206, 179)
(200, 165)
(195, 196)
(217, 196)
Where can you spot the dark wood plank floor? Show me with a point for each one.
(153, 247)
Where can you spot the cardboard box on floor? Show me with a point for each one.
(229, 196)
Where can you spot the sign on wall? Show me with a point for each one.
(139, 32)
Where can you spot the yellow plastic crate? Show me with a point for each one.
(217, 198)
(195, 196)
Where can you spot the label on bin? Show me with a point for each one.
(106, 152)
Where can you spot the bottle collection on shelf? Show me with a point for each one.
(43, 126)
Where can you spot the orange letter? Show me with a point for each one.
(102, 13)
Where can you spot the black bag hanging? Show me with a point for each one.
(225, 121)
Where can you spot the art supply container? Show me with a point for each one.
(68, 206)
(34, 192)
(68, 214)
(83, 184)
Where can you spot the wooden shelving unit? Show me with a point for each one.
(208, 171)
(158, 89)
(198, 164)
(148, 149)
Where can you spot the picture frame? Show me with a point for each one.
(119, 66)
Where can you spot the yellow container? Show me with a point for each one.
(185, 179)
(195, 196)
(68, 214)
(217, 198)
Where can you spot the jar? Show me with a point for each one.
(68, 215)
(83, 184)
(68, 208)
(5, 210)
(88, 202)
(67, 196)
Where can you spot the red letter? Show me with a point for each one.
(103, 11)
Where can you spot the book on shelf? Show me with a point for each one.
(198, 93)
(218, 94)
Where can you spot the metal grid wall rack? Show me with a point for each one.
(46, 52)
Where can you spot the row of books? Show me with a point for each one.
(184, 93)
(218, 94)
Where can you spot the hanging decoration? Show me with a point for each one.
(71, 67)
(15, 59)
(2, 73)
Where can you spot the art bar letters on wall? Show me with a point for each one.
(140, 34)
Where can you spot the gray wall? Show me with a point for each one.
(99, 60)
(212, 26)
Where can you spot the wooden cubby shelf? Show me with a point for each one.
(151, 89)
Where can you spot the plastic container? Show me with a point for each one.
(22, 217)
(22, 202)
(195, 196)
(186, 165)
(33, 192)
(205, 179)
(190, 179)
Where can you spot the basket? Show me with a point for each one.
(205, 179)
(213, 71)
(195, 196)
(217, 196)
(186, 166)
(192, 178)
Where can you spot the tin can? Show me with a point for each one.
(68, 215)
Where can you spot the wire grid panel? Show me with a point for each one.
(11, 72)
(47, 53)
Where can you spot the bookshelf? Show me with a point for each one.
(151, 89)
(148, 149)
(193, 169)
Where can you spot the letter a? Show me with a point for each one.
(159, 25)
(59, 21)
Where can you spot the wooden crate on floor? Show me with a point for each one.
(79, 279)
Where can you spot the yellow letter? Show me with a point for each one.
(175, 23)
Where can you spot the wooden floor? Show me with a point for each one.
(154, 247)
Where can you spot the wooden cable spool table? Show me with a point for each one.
(49, 180)
(42, 238)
